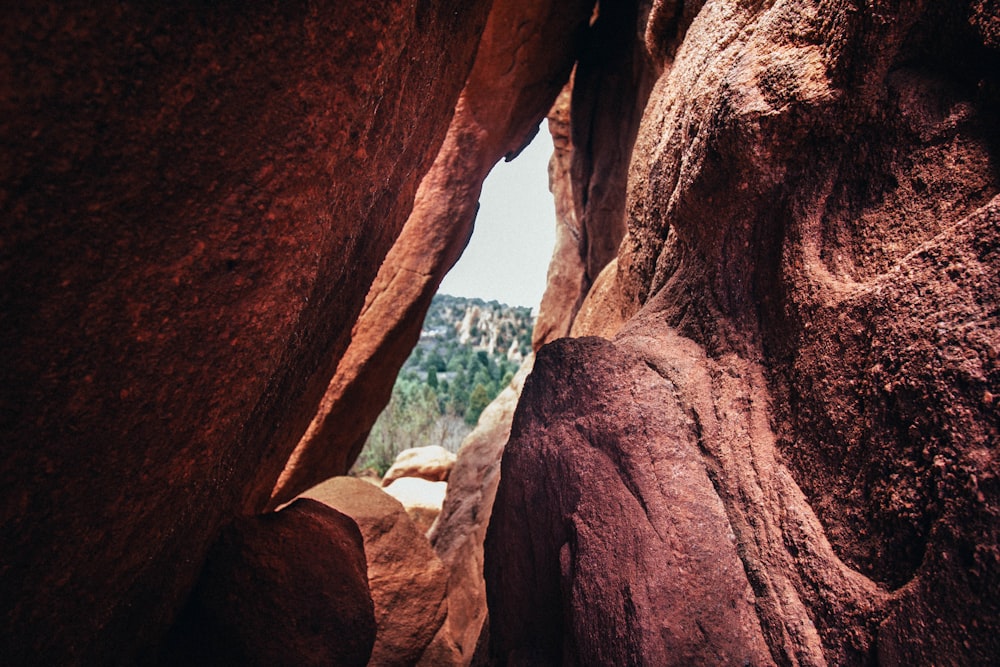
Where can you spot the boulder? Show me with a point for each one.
(458, 533)
(288, 588)
(421, 498)
(195, 203)
(433, 463)
(408, 582)
(608, 544)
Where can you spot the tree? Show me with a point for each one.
(435, 361)
(407, 421)
(478, 400)
(444, 385)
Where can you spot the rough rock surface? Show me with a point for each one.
(565, 282)
(195, 201)
(608, 544)
(526, 54)
(433, 463)
(602, 312)
(458, 534)
(811, 269)
(288, 588)
(408, 582)
(421, 498)
(593, 126)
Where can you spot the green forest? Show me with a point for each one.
(469, 350)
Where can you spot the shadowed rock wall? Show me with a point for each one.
(263, 577)
(810, 271)
(795, 425)
(195, 201)
(593, 127)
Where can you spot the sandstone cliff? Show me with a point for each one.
(527, 51)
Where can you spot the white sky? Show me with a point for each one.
(509, 253)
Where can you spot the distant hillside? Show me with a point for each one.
(469, 350)
(496, 328)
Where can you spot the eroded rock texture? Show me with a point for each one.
(593, 126)
(608, 544)
(195, 201)
(786, 454)
(808, 289)
(526, 54)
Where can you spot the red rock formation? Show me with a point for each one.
(195, 202)
(408, 581)
(602, 313)
(593, 135)
(608, 543)
(525, 56)
(421, 498)
(288, 588)
(458, 534)
(565, 282)
(811, 270)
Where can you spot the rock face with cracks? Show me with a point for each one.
(808, 287)
(195, 201)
